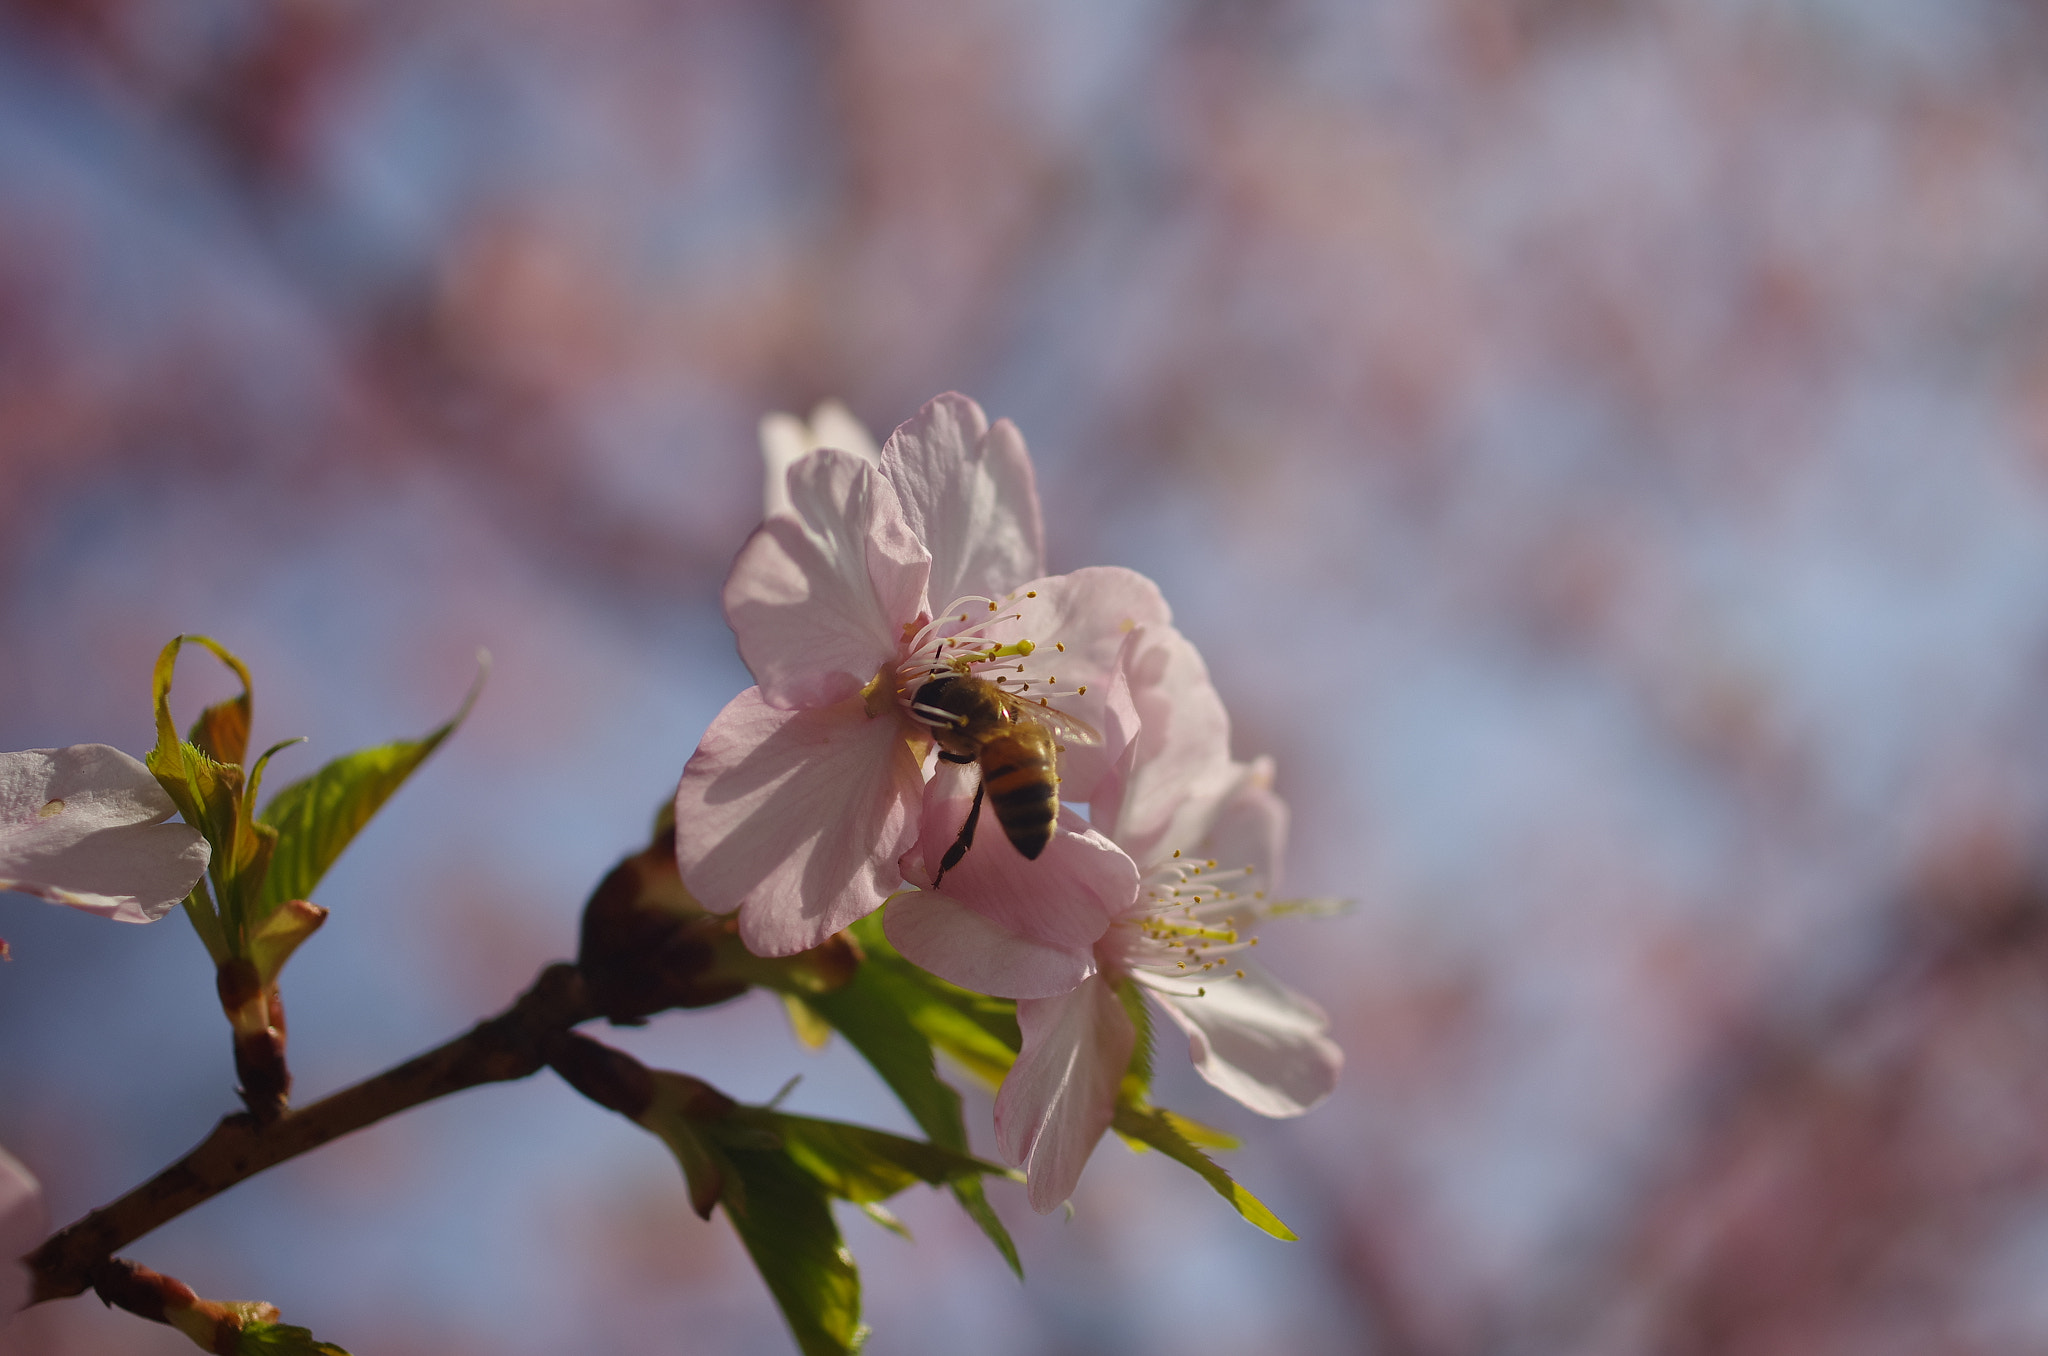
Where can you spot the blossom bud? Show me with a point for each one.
(647, 945)
(212, 1326)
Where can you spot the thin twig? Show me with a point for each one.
(512, 1045)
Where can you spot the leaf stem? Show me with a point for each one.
(512, 1045)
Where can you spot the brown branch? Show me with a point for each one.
(512, 1045)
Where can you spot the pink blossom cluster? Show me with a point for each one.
(841, 781)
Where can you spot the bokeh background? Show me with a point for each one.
(1600, 445)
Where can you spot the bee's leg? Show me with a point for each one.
(963, 842)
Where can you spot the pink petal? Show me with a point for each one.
(961, 946)
(948, 791)
(796, 818)
(1061, 1093)
(1164, 797)
(84, 826)
(23, 1223)
(968, 494)
(818, 599)
(1088, 773)
(1258, 1041)
(1251, 824)
(1066, 898)
(1091, 612)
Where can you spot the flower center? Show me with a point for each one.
(957, 643)
(1189, 922)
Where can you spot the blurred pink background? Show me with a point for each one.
(1600, 445)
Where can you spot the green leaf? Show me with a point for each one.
(317, 817)
(208, 793)
(886, 1219)
(978, 1032)
(278, 1339)
(1198, 1134)
(272, 942)
(785, 1220)
(775, 1174)
(810, 1028)
(859, 1164)
(779, 1172)
(871, 1012)
(1149, 1125)
(199, 909)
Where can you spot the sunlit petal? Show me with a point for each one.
(796, 818)
(1061, 1093)
(818, 598)
(84, 826)
(968, 495)
(1259, 1041)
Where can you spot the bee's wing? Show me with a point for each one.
(1062, 724)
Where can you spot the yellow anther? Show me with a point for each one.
(1060, 645)
(991, 607)
(1033, 593)
(55, 807)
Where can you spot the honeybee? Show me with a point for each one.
(1015, 740)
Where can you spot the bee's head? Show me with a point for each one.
(932, 692)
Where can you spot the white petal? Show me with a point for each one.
(968, 494)
(796, 818)
(818, 598)
(1061, 1093)
(960, 945)
(833, 425)
(785, 439)
(84, 826)
(1257, 1040)
(22, 1225)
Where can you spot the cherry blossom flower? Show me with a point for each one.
(84, 826)
(22, 1224)
(807, 789)
(1178, 930)
(1182, 941)
(996, 928)
(785, 439)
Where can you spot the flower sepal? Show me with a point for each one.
(648, 946)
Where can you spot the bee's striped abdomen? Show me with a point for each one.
(1017, 775)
